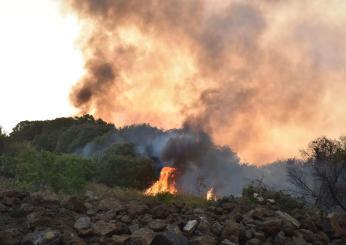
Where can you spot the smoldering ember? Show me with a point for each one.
(194, 122)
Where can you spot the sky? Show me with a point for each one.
(39, 61)
(262, 77)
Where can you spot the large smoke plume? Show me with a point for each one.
(264, 77)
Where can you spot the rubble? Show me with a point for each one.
(35, 219)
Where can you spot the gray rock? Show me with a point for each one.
(203, 240)
(143, 236)
(133, 228)
(232, 231)
(126, 219)
(160, 212)
(289, 218)
(91, 195)
(190, 226)
(120, 240)
(254, 241)
(82, 223)
(170, 238)
(227, 242)
(110, 204)
(74, 203)
(198, 211)
(107, 229)
(216, 228)
(43, 238)
(157, 225)
(272, 226)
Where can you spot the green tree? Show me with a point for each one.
(2, 141)
(120, 166)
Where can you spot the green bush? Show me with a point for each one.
(285, 201)
(120, 166)
(42, 169)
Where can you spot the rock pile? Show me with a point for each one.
(40, 218)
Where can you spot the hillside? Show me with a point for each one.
(125, 217)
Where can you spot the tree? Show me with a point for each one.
(322, 176)
(120, 166)
(2, 141)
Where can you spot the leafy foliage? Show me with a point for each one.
(41, 169)
(63, 135)
(2, 141)
(120, 166)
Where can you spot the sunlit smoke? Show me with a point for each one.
(264, 77)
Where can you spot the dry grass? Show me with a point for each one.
(127, 194)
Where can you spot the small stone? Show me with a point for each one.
(288, 218)
(228, 206)
(147, 218)
(133, 228)
(203, 227)
(216, 228)
(143, 236)
(254, 241)
(271, 201)
(260, 236)
(227, 242)
(126, 219)
(173, 229)
(198, 211)
(160, 212)
(74, 203)
(107, 229)
(120, 240)
(307, 235)
(110, 204)
(82, 223)
(157, 225)
(272, 226)
(42, 238)
(190, 226)
(203, 240)
(170, 238)
(91, 195)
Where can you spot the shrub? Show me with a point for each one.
(120, 166)
(41, 169)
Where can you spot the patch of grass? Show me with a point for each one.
(128, 194)
(283, 200)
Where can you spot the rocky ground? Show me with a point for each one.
(38, 218)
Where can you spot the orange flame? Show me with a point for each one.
(166, 183)
(211, 195)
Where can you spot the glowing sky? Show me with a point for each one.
(38, 61)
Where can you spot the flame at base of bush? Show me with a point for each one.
(165, 184)
(211, 196)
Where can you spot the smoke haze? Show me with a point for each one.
(263, 77)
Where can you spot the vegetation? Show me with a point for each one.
(120, 166)
(322, 176)
(67, 154)
(284, 201)
(44, 154)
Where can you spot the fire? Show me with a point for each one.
(166, 183)
(211, 195)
